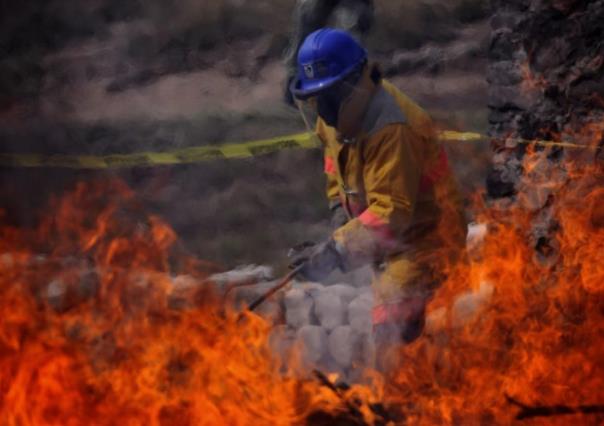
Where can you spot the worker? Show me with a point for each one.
(388, 172)
(354, 16)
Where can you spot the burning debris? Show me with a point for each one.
(527, 412)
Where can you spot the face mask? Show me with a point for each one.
(330, 101)
(328, 108)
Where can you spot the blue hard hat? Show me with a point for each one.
(326, 57)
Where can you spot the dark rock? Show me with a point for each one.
(504, 73)
(546, 75)
(501, 116)
(510, 5)
(470, 11)
(504, 43)
(552, 54)
(565, 6)
(506, 20)
(496, 186)
(506, 97)
(122, 10)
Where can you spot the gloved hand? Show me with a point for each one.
(339, 217)
(300, 253)
(318, 260)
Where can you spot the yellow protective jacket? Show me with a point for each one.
(395, 183)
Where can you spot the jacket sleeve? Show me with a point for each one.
(329, 167)
(332, 190)
(391, 174)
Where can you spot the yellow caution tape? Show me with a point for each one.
(451, 135)
(205, 153)
(180, 156)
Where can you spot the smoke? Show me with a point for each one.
(121, 76)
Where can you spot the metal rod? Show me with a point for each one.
(284, 281)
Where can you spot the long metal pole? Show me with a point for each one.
(284, 281)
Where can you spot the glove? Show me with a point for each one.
(318, 260)
(300, 253)
(339, 217)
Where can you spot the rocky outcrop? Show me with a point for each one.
(546, 79)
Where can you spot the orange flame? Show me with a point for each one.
(540, 339)
(93, 331)
(89, 335)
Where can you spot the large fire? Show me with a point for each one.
(537, 349)
(93, 334)
(94, 330)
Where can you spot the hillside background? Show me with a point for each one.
(118, 76)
